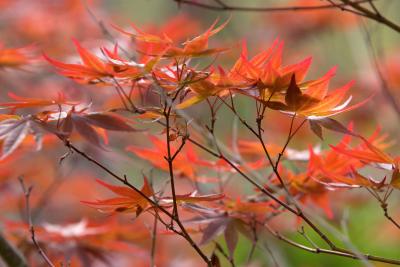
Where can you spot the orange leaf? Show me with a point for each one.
(129, 200)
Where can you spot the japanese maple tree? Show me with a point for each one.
(124, 143)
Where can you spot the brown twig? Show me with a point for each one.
(270, 252)
(219, 248)
(318, 250)
(154, 241)
(123, 95)
(383, 203)
(170, 158)
(27, 192)
(168, 104)
(221, 6)
(354, 7)
(373, 15)
(386, 214)
(104, 30)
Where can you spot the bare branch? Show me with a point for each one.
(27, 192)
(221, 6)
(319, 250)
(373, 15)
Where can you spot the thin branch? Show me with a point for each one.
(354, 7)
(225, 7)
(289, 138)
(27, 192)
(123, 96)
(104, 29)
(168, 103)
(169, 158)
(384, 205)
(306, 237)
(223, 253)
(386, 214)
(319, 250)
(179, 148)
(372, 14)
(344, 8)
(371, 3)
(154, 241)
(270, 252)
